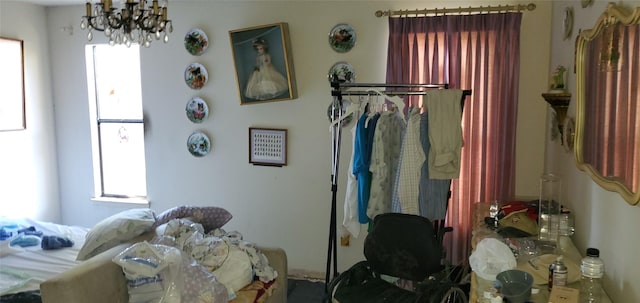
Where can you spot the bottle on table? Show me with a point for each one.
(558, 273)
(592, 271)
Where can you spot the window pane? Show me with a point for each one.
(123, 162)
(117, 74)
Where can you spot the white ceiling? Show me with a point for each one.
(52, 2)
(117, 2)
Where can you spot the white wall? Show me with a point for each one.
(603, 219)
(28, 169)
(289, 206)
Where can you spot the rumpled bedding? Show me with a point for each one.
(24, 268)
(234, 261)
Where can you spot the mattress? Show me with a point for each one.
(23, 269)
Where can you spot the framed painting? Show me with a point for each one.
(267, 146)
(12, 103)
(263, 63)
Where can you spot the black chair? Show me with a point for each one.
(401, 246)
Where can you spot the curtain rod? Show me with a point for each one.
(459, 10)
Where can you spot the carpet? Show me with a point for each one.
(305, 291)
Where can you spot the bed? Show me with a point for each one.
(57, 276)
(23, 269)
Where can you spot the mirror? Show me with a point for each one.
(607, 135)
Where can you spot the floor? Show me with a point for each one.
(305, 291)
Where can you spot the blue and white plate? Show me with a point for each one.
(199, 144)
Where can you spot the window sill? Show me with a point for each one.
(137, 201)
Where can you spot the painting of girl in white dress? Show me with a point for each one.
(263, 63)
(265, 81)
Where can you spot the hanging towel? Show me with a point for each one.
(445, 132)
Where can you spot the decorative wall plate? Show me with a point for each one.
(198, 144)
(196, 42)
(343, 72)
(196, 75)
(197, 110)
(342, 38)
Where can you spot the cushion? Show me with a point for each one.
(116, 229)
(210, 217)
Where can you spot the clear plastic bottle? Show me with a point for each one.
(592, 271)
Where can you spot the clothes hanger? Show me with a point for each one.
(352, 108)
(374, 108)
(396, 100)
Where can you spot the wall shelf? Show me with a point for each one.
(560, 104)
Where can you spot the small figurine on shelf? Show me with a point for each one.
(557, 84)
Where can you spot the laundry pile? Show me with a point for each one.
(29, 236)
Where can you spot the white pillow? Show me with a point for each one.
(116, 229)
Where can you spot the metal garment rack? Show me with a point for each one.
(340, 89)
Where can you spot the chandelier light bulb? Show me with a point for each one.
(132, 21)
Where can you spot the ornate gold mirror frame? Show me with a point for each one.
(599, 57)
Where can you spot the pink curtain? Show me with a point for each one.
(612, 138)
(478, 52)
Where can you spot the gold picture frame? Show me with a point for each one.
(12, 101)
(263, 63)
(267, 146)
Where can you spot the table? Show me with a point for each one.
(481, 231)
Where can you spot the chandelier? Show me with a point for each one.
(134, 22)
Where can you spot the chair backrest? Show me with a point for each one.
(404, 246)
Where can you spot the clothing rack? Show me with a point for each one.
(340, 89)
(458, 10)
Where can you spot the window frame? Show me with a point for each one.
(96, 136)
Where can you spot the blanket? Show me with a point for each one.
(234, 261)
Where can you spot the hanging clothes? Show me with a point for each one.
(362, 158)
(445, 132)
(385, 157)
(410, 169)
(433, 193)
(350, 220)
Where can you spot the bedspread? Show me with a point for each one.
(23, 269)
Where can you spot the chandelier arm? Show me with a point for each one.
(131, 18)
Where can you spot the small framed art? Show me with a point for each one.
(12, 103)
(264, 64)
(267, 146)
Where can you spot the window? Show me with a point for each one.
(117, 124)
